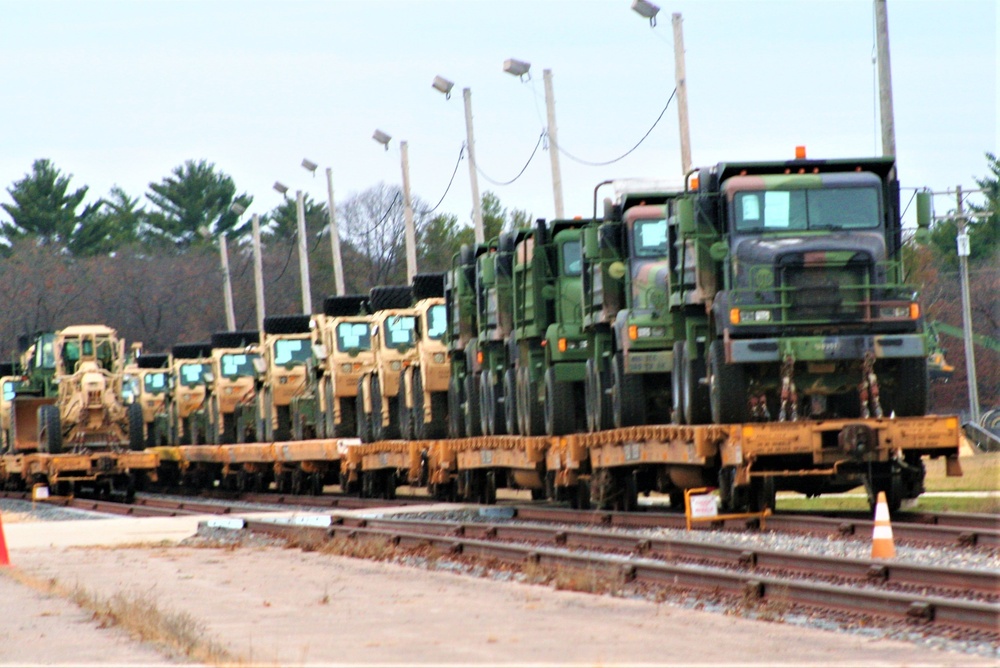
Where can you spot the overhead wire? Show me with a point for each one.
(520, 173)
(461, 152)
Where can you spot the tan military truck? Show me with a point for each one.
(234, 371)
(346, 335)
(423, 402)
(150, 377)
(187, 405)
(286, 356)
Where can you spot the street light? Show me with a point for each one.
(303, 246)
(258, 269)
(338, 264)
(646, 9)
(411, 235)
(443, 85)
(519, 68)
(649, 10)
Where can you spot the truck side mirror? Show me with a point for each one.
(591, 246)
(685, 215)
(924, 216)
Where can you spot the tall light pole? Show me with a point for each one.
(962, 240)
(443, 85)
(228, 284)
(519, 68)
(410, 230)
(649, 11)
(884, 79)
(338, 265)
(303, 247)
(258, 265)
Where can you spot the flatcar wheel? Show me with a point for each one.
(628, 401)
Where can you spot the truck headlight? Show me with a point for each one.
(439, 358)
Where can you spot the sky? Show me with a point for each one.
(119, 92)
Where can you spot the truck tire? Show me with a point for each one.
(50, 429)
(727, 388)
(456, 424)
(472, 421)
(382, 432)
(531, 415)
(408, 417)
(560, 414)
(490, 407)
(510, 401)
(676, 387)
(697, 407)
(628, 402)
(136, 441)
(909, 395)
(598, 398)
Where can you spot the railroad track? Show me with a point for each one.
(953, 599)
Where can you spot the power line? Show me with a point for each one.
(461, 152)
(520, 173)
(609, 162)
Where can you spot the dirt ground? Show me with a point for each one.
(274, 606)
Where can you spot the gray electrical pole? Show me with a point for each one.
(303, 254)
(477, 203)
(884, 79)
(550, 109)
(227, 284)
(962, 240)
(338, 265)
(680, 78)
(411, 235)
(258, 273)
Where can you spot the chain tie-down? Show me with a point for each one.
(868, 388)
(789, 395)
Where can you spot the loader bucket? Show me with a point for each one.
(24, 424)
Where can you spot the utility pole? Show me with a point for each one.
(303, 254)
(411, 235)
(338, 265)
(550, 108)
(477, 203)
(680, 78)
(227, 284)
(884, 79)
(258, 273)
(962, 240)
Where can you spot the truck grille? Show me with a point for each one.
(825, 293)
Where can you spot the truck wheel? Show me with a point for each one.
(532, 417)
(599, 408)
(408, 417)
(510, 401)
(135, 425)
(762, 494)
(909, 396)
(420, 428)
(697, 409)
(437, 427)
(456, 424)
(283, 430)
(228, 428)
(382, 432)
(486, 404)
(560, 415)
(348, 419)
(727, 388)
(472, 421)
(628, 402)
(676, 388)
(50, 429)
(363, 421)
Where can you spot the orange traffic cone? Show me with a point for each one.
(4, 557)
(882, 545)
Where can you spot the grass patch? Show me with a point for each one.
(980, 473)
(139, 615)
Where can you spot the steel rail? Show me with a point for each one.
(851, 599)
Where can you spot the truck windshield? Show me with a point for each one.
(154, 383)
(353, 336)
(292, 351)
(572, 265)
(807, 209)
(399, 331)
(192, 374)
(436, 321)
(238, 365)
(650, 238)
(45, 353)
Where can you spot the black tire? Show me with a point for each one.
(390, 296)
(727, 388)
(532, 415)
(489, 495)
(363, 423)
(600, 415)
(473, 426)
(538, 494)
(630, 492)
(50, 429)
(628, 401)
(150, 429)
(697, 408)
(283, 430)
(285, 324)
(228, 428)
(676, 387)
(267, 426)
(408, 418)
(136, 441)
(560, 413)
(510, 401)
(348, 426)
(390, 431)
(438, 426)
(909, 396)
(456, 423)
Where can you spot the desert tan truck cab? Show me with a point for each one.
(150, 377)
(346, 336)
(423, 403)
(190, 374)
(286, 357)
(234, 357)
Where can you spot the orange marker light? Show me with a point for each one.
(479, 357)
(800, 152)
(562, 345)
(633, 332)
(914, 310)
(694, 182)
(734, 316)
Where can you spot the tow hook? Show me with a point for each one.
(789, 394)
(857, 440)
(868, 388)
